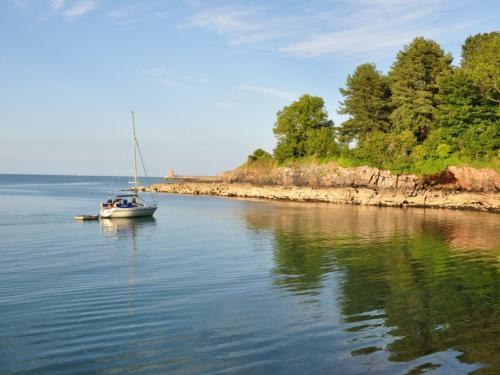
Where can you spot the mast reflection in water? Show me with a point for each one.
(122, 229)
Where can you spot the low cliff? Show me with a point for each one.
(456, 187)
(332, 175)
(348, 195)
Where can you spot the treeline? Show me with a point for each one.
(423, 115)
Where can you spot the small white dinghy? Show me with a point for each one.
(86, 217)
(130, 204)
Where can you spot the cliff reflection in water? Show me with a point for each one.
(412, 282)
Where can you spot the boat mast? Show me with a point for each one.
(134, 150)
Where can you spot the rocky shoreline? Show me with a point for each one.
(455, 188)
(350, 195)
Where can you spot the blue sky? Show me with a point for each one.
(205, 78)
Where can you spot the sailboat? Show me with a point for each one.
(130, 204)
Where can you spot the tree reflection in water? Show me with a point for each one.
(429, 278)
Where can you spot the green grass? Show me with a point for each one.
(350, 162)
(432, 166)
(423, 167)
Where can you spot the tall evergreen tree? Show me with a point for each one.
(413, 82)
(366, 101)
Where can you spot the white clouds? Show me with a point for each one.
(375, 26)
(68, 9)
(80, 8)
(57, 4)
(73, 9)
(239, 26)
(118, 12)
(270, 91)
(225, 20)
(132, 14)
(349, 42)
(317, 28)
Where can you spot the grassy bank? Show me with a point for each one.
(421, 169)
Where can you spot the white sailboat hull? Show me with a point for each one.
(115, 212)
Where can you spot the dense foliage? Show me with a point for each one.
(423, 115)
(413, 82)
(303, 129)
(481, 60)
(367, 102)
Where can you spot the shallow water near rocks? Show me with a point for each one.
(215, 285)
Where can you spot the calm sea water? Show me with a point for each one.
(214, 285)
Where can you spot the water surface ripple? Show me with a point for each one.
(215, 286)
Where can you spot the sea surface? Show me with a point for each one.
(221, 286)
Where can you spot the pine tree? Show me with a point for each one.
(413, 82)
(366, 101)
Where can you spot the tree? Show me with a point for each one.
(321, 142)
(387, 150)
(469, 122)
(413, 82)
(259, 155)
(366, 101)
(481, 60)
(297, 123)
(422, 116)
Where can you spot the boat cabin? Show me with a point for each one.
(123, 201)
